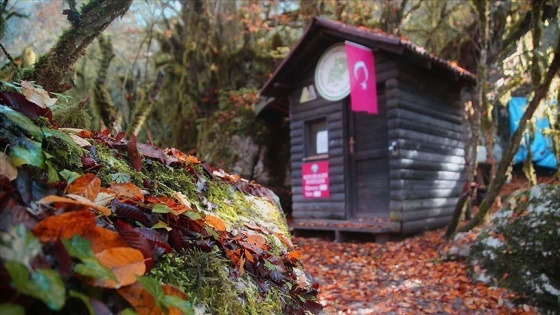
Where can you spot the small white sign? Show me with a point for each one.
(322, 142)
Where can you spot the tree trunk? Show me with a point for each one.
(514, 143)
(96, 15)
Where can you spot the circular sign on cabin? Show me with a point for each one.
(331, 74)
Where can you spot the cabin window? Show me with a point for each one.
(317, 137)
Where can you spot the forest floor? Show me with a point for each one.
(411, 276)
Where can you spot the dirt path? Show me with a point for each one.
(408, 277)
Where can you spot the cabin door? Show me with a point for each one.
(369, 161)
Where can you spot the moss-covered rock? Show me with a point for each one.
(520, 249)
(220, 240)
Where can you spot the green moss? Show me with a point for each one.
(113, 165)
(221, 195)
(72, 116)
(64, 155)
(169, 180)
(206, 278)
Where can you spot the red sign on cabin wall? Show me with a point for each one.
(315, 179)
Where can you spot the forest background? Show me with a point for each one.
(186, 74)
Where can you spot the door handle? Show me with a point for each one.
(351, 144)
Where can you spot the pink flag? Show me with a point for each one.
(361, 68)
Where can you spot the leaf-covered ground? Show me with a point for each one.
(406, 277)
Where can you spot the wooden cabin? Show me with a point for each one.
(398, 171)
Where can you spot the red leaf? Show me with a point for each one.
(133, 154)
(124, 210)
(19, 103)
(152, 152)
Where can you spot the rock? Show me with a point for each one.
(519, 248)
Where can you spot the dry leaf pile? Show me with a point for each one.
(406, 277)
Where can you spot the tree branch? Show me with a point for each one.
(514, 143)
(52, 67)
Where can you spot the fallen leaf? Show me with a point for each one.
(6, 167)
(65, 225)
(134, 154)
(72, 199)
(102, 239)
(126, 191)
(37, 95)
(140, 299)
(215, 222)
(87, 185)
(126, 263)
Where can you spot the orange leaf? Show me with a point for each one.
(215, 222)
(64, 225)
(284, 240)
(257, 241)
(249, 256)
(127, 191)
(102, 239)
(294, 255)
(76, 200)
(87, 185)
(140, 299)
(126, 263)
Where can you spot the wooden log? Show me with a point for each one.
(407, 216)
(425, 165)
(418, 204)
(428, 156)
(333, 112)
(426, 175)
(425, 184)
(395, 112)
(400, 123)
(326, 209)
(424, 138)
(341, 197)
(429, 147)
(445, 104)
(407, 194)
(423, 109)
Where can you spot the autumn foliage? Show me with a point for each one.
(70, 235)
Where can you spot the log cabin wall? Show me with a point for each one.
(333, 207)
(425, 120)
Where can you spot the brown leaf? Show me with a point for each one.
(76, 200)
(127, 191)
(36, 95)
(65, 225)
(87, 185)
(126, 263)
(6, 167)
(257, 241)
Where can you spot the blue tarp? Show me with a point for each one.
(541, 148)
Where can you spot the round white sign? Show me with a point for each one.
(331, 74)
